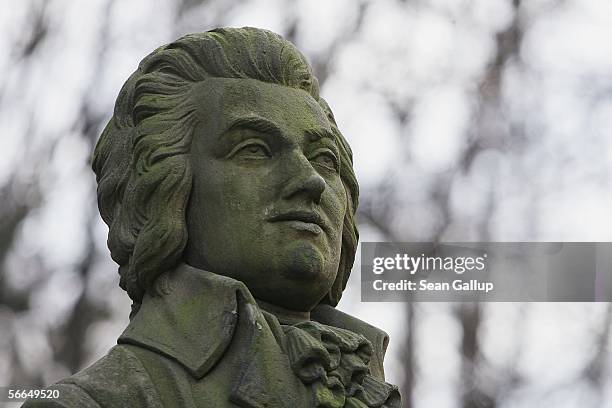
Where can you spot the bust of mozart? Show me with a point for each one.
(230, 198)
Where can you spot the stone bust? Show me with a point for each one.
(230, 198)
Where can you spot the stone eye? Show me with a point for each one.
(254, 149)
(251, 149)
(326, 159)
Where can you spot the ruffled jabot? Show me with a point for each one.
(334, 363)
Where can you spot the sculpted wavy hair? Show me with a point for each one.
(142, 162)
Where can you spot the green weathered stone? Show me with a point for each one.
(230, 198)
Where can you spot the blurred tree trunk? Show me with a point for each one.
(596, 369)
(486, 132)
(19, 198)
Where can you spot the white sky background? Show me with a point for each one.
(552, 184)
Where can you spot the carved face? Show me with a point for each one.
(267, 203)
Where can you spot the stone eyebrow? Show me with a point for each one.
(263, 125)
(317, 134)
(256, 123)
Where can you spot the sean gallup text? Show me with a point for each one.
(423, 285)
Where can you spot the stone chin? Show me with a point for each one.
(296, 279)
(309, 275)
(308, 264)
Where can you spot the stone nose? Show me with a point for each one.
(304, 181)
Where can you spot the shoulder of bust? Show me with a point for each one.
(117, 377)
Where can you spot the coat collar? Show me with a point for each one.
(194, 317)
(192, 321)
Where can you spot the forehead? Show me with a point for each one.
(222, 101)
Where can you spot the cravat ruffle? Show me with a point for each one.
(334, 362)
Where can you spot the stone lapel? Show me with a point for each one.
(212, 326)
